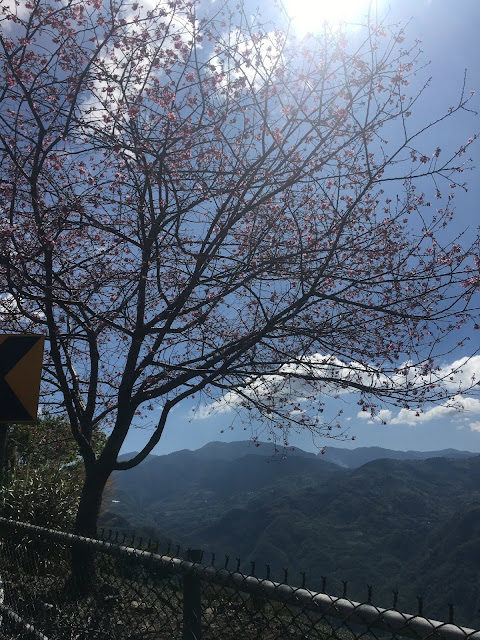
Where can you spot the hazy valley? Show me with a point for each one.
(394, 520)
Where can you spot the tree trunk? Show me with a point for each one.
(83, 558)
(3, 452)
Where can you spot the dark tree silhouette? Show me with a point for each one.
(195, 202)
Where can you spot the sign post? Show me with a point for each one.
(20, 371)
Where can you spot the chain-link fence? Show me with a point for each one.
(56, 586)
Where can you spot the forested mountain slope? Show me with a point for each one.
(409, 524)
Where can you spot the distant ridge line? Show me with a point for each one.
(342, 457)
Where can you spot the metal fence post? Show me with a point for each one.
(192, 601)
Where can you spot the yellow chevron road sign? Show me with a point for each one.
(20, 371)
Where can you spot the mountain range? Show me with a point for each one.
(406, 521)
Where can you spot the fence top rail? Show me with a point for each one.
(388, 620)
(20, 622)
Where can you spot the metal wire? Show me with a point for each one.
(124, 593)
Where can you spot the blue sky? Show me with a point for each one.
(449, 35)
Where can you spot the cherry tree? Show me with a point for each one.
(194, 202)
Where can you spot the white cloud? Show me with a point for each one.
(260, 388)
(461, 373)
(106, 105)
(315, 376)
(16, 8)
(455, 407)
(254, 60)
(384, 415)
(8, 305)
(226, 404)
(10, 311)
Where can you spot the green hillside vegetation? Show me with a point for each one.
(406, 525)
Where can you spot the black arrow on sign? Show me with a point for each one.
(12, 350)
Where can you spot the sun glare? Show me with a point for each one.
(311, 15)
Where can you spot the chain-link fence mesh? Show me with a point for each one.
(56, 586)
